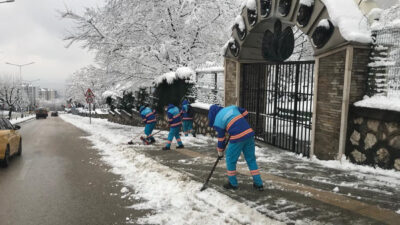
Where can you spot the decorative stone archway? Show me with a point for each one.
(263, 34)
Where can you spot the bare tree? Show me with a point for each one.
(11, 94)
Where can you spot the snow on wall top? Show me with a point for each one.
(214, 69)
(380, 102)
(181, 73)
(347, 16)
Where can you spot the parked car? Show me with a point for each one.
(41, 112)
(10, 141)
(54, 113)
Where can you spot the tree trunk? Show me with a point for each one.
(9, 113)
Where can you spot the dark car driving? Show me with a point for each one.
(41, 113)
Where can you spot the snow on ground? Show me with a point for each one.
(173, 196)
(380, 102)
(20, 120)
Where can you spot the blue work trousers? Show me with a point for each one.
(187, 126)
(232, 155)
(174, 133)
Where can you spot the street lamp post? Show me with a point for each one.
(20, 68)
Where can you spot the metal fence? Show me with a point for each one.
(210, 86)
(384, 75)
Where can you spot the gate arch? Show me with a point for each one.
(263, 36)
(261, 21)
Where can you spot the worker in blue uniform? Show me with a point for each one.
(187, 118)
(149, 118)
(232, 119)
(175, 122)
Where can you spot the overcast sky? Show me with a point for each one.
(31, 30)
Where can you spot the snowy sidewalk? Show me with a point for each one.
(298, 190)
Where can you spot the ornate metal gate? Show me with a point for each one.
(279, 100)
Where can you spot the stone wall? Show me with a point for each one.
(374, 138)
(200, 123)
(329, 105)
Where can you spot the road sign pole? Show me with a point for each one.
(90, 113)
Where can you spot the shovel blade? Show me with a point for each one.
(204, 187)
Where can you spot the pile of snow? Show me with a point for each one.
(201, 105)
(172, 196)
(20, 120)
(347, 16)
(170, 77)
(308, 3)
(380, 102)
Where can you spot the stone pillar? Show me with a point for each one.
(340, 80)
(232, 69)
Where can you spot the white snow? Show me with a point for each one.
(324, 23)
(181, 73)
(336, 189)
(172, 196)
(111, 94)
(240, 22)
(308, 3)
(20, 120)
(185, 73)
(346, 15)
(375, 13)
(169, 77)
(201, 105)
(388, 18)
(398, 211)
(251, 4)
(214, 69)
(124, 190)
(380, 102)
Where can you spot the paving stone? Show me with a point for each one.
(355, 138)
(370, 141)
(358, 156)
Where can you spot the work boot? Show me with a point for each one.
(257, 187)
(130, 143)
(166, 148)
(180, 146)
(145, 142)
(152, 140)
(229, 186)
(194, 134)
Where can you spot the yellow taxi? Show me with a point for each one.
(10, 141)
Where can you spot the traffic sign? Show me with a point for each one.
(89, 100)
(89, 93)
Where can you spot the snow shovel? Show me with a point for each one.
(140, 136)
(205, 185)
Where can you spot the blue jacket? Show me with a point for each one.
(148, 115)
(174, 116)
(231, 119)
(185, 111)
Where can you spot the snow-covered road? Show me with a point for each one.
(172, 196)
(168, 185)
